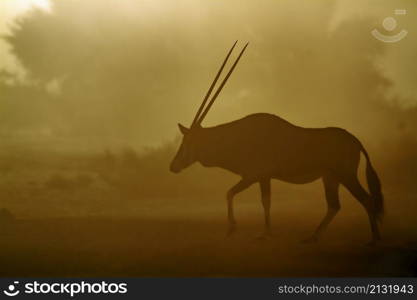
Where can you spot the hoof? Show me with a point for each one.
(373, 243)
(264, 236)
(310, 240)
(231, 231)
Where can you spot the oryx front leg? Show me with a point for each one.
(240, 186)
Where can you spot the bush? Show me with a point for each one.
(61, 182)
(6, 215)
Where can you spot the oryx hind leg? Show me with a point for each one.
(240, 186)
(356, 189)
(331, 188)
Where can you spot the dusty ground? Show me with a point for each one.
(125, 216)
(196, 246)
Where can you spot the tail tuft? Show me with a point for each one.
(374, 185)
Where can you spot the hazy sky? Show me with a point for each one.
(126, 71)
(396, 62)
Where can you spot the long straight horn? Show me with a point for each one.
(221, 86)
(212, 85)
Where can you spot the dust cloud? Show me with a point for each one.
(87, 137)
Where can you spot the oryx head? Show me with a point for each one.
(187, 153)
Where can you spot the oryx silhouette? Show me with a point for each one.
(262, 146)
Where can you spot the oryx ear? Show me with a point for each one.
(183, 129)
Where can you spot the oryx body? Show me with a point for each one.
(261, 147)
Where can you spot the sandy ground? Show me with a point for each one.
(194, 244)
